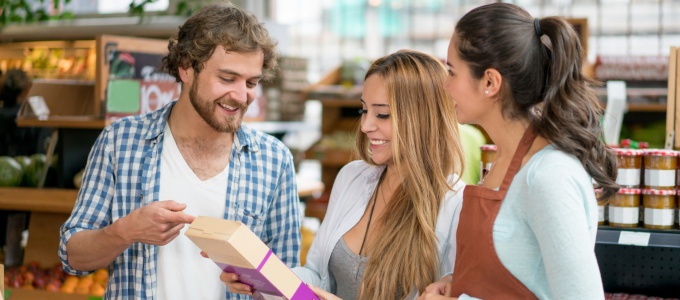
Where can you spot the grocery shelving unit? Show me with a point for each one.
(339, 113)
(639, 261)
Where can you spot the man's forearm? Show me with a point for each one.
(94, 249)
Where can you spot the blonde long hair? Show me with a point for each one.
(426, 152)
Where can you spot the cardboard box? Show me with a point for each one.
(236, 249)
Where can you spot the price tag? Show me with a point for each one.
(39, 107)
(613, 117)
(634, 238)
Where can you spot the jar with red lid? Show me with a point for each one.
(659, 208)
(677, 173)
(660, 169)
(629, 162)
(677, 206)
(488, 156)
(624, 208)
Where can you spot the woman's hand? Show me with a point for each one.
(231, 281)
(439, 290)
(323, 295)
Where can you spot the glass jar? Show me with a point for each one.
(677, 211)
(601, 207)
(624, 208)
(488, 156)
(659, 206)
(629, 162)
(677, 173)
(660, 169)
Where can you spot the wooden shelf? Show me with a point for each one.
(38, 200)
(636, 92)
(341, 102)
(83, 122)
(643, 107)
(647, 107)
(309, 188)
(331, 158)
(54, 200)
(26, 294)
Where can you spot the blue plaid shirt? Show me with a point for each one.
(123, 174)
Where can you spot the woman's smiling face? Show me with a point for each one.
(376, 122)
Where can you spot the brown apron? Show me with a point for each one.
(478, 271)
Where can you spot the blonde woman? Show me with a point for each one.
(392, 215)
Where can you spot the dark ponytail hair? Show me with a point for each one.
(542, 80)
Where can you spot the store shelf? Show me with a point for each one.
(647, 107)
(643, 107)
(87, 28)
(38, 200)
(638, 237)
(27, 294)
(330, 157)
(81, 122)
(341, 102)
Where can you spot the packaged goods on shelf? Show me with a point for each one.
(650, 68)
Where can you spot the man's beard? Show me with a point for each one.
(206, 109)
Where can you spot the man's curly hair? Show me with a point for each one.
(214, 25)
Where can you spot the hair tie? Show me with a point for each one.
(537, 27)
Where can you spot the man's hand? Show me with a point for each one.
(157, 223)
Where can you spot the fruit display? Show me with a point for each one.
(54, 279)
(23, 170)
(10, 172)
(78, 178)
(34, 170)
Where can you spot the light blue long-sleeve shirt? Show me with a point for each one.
(545, 231)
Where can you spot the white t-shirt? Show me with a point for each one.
(182, 272)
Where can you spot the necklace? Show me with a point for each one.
(370, 217)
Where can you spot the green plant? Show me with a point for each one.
(137, 9)
(187, 8)
(21, 11)
(184, 8)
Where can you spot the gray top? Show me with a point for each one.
(348, 269)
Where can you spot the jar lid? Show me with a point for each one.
(598, 191)
(629, 191)
(658, 192)
(660, 152)
(628, 152)
(489, 147)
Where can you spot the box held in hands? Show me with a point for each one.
(236, 249)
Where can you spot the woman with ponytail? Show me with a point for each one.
(390, 226)
(528, 231)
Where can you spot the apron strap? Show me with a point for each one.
(516, 163)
